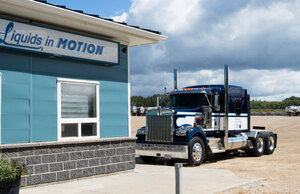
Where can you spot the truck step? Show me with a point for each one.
(215, 145)
(216, 151)
(212, 140)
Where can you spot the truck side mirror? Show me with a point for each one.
(216, 103)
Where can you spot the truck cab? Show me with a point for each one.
(208, 101)
(202, 120)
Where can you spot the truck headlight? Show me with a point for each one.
(180, 132)
(140, 132)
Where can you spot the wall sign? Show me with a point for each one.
(29, 37)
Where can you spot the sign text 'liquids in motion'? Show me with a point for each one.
(29, 37)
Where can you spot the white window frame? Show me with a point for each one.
(0, 105)
(128, 92)
(78, 121)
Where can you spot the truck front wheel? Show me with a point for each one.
(196, 152)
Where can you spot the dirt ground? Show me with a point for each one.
(280, 172)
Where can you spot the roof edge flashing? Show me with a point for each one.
(135, 36)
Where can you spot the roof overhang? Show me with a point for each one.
(48, 14)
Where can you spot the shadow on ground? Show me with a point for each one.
(212, 159)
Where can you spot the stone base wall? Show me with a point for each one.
(57, 161)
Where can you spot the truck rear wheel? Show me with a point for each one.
(196, 152)
(148, 159)
(270, 143)
(258, 146)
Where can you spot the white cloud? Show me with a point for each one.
(261, 84)
(260, 40)
(173, 17)
(121, 18)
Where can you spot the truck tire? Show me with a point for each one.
(148, 159)
(270, 143)
(196, 153)
(258, 146)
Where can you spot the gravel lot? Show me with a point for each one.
(280, 171)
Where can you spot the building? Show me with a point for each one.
(65, 91)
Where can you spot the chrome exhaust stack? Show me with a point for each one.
(175, 79)
(157, 102)
(226, 87)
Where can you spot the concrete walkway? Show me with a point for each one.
(148, 179)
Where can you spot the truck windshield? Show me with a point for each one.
(188, 100)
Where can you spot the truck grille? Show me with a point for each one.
(159, 128)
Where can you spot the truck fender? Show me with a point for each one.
(197, 131)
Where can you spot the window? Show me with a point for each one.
(78, 109)
(189, 100)
(238, 107)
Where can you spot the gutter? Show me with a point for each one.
(41, 12)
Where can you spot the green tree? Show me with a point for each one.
(257, 104)
(150, 101)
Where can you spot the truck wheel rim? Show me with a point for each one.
(197, 151)
(271, 142)
(260, 144)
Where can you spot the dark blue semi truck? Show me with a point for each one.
(203, 120)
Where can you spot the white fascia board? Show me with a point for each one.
(42, 12)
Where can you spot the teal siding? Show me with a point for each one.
(15, 124)
(29, 95)
(113, 109)
(43, 108)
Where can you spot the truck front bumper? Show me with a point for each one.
(162, 150)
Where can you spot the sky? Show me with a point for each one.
(259, 40)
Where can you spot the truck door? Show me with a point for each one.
(240, 119)
(216, 119)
